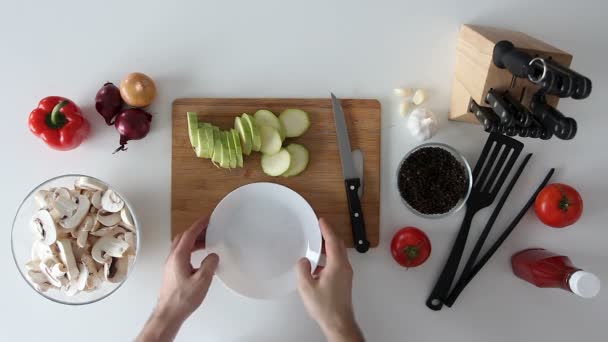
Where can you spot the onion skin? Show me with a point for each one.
(132, 124)
(137, 90)
(108, 102)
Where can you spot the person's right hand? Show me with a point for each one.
(328, 296)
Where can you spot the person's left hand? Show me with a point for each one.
(184, 288)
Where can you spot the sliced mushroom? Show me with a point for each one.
(116, 271)
(110, 246)
(130, 239)
(127, 219)
(96, 199)
(109, 231)
(61, 192)
(83, 231)
(43, 224)
(110, 201)
(83, 276)
(108, 219)
(41, 251)
(33, 265)
(89, 183)
(46, 268)
(93, 279)
(36, 277)
(44, 199)
(65, 206)
(79, 215)
(67, 258)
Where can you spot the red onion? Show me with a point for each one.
(132, 124)
(108, 102)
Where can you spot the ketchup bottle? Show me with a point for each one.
(546, 269)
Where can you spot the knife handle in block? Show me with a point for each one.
(356, 215)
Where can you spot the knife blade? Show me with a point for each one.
(352, 181)
(358, 160)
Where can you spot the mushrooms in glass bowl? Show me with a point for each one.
(75, 239)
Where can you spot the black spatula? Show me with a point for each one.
(497, 158)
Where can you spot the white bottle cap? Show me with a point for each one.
(584, 284)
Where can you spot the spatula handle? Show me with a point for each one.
(443, 284)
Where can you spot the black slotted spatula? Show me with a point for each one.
(497, 158)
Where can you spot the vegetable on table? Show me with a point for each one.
(108, 102)
(276, 164)
(59, 123)
(260, 132)
(137, 89)
(558, 205)
(410, 247)
(295, 121)
(299, 160)
(132, 124)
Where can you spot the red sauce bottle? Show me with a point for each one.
(546, 269)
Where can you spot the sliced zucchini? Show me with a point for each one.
(210, 140)
(295, 121)
(231, 149)
(264, 117)
(276, 164)
(202, 144)
(237, 144)
(245, 134)
(256, 142)
(192, 118)
(225, 156)
(271, 140)
(217, 148)
(299, 159)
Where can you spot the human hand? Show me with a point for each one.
(328, 295)
(185, 287)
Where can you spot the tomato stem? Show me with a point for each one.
(412, 253)
(564, 202)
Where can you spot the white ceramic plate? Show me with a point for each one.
(260, 231)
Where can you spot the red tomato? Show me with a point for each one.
(558, 205)
(410, 247)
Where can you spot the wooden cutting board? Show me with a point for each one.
(197, 185)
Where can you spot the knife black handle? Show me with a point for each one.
(506, 56)
(356, 214)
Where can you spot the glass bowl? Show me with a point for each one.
(467, 169)
(22, 238)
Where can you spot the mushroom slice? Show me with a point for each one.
(33, 265)
(65, 206)
(116, 271)
(110, 246)
(83, 231)
(109, 231)
(96, 199)
(107, 218)
(83, 276)
(43, 198)
(42, 223)
(110, 201)
(93, 279)
(129, 237)
(53, 277)
(41, 251)
(67, 258)
(61, 192)
(127, 219)
(36, 277)
(89, 183)
(74, 220)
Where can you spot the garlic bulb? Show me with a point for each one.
(422, 123)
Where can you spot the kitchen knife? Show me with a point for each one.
(358, 160)
(352, 180)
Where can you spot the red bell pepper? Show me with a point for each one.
(59, 123)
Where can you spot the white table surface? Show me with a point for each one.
(264, 48)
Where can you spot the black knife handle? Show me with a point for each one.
(505, 55)
(356, 214)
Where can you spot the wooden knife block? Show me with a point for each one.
(475, 73)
